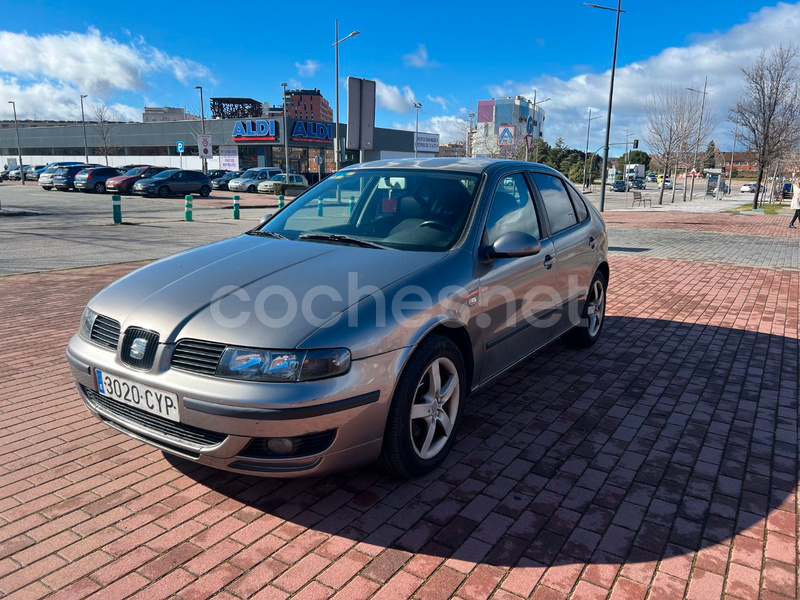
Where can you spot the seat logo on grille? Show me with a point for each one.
(138, 348)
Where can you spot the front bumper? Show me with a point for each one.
(224, 423)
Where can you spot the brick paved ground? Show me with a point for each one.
(661, 463)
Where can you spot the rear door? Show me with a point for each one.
(573, 242)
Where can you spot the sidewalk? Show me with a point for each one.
(660, 463)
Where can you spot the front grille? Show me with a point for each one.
(150, 339)
(197, 356)
(306, 445)
(159, 426)
(105, 332)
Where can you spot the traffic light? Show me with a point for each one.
(635, 144)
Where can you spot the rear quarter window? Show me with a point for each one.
(560, 210)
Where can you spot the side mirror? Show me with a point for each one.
(513, 244)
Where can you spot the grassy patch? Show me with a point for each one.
(769, 209)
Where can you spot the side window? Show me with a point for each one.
(512, 209)
(149, 173)
(578, 203)
(556, 201)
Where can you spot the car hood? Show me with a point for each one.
(151, 180)
(122, 178)
(241, 180)
(253, 291)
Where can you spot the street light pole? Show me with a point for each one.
(336, 149)
(285, 133)
(83, 120)
(19, 148)
(604, 174)
(468, 152)
(586, 154)
(417, 105)
(202, 121)
(699, 133)
(538, 125)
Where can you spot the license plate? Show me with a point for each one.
(152, 400)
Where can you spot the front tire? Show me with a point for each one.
(99, 188)
(426, 409)
(251, 189)
(163, 192)
(593, 317)
(205, 191)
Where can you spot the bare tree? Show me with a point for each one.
(105, 130)
(671, 122)
(768, 112)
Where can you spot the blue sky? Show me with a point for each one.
(445, 55)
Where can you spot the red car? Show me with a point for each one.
(123, 183)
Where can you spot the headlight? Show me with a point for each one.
(87, 322)
(283, 365)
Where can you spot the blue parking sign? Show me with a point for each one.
(180, 147)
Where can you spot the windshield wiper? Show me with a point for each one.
(266, 233)
(342, 239)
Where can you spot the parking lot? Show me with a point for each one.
(660, 463)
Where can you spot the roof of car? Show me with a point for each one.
(464, 164)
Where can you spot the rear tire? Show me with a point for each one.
(593, 317)
(205, 191)
(99, 188)
(163, 191)
(426, 409)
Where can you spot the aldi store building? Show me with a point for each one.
(254, 142)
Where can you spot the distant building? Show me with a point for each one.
(166, 114)
(506, 117)
(452, 149)
(309, 105)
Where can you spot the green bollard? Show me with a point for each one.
(187, 208)
(352, 204)
(236, 208)
(116, 201)
(280, 202)
(319, 207)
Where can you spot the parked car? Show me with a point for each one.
(93, 179)
(620, 186)
(122, 184)
(46, 177)
(268, 186)
(221, 183)
(249, 180)
(33, 174)
(786, 190)
(748, 188)
(665, 183)
(14, 175)
(193, 354)
(216, 173)
(639, 184)
(64, 177)
(172, 182)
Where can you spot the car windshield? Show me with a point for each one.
(416, 209)
(250, 174)
(136, 171)
(85, 171)
(277, 178)
(163, 175)
(62, 171)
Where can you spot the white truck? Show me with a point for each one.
(634, 171)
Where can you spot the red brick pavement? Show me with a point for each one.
(742, 224)
(662, 461)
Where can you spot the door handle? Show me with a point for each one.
(592, 243)
(548, 261)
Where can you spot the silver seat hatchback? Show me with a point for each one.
(351, 326)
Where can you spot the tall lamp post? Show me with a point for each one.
(336, 150)
(285, 133)
(202, 121)
(417, 106)
(699, 133)
(586, 155)
(538, 124)
(604, 174)
(83, 120)
(19, 148)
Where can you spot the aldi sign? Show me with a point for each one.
(506, 135)
(261, 130)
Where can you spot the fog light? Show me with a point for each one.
(281, 445)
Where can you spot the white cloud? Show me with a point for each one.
(419, 59)
(308, 68)
(718, 56)
(49, 72)
(393, 98)
(449, 128)
(438, 100)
